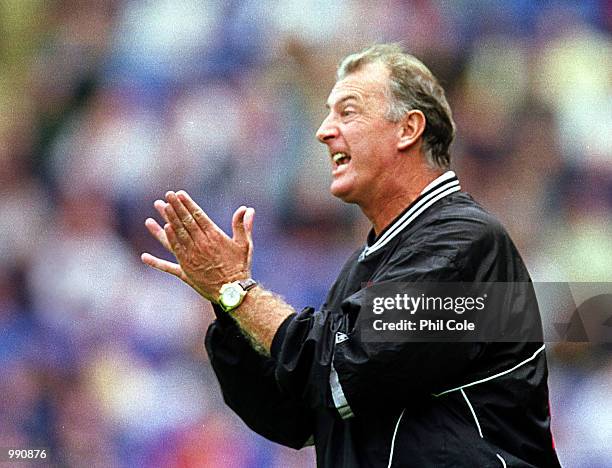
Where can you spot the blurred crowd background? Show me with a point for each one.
(106, 104)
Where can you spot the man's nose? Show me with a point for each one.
(327, 131)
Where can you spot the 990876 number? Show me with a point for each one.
(26, 454)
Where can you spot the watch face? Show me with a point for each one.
(231, 297)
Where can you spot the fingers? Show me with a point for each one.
(183, 229)
(162, 265)
(184, 215)
(171, 268)
(156, 231)
(198, 243)
(173, 239)
(196, 212)
(160, 206)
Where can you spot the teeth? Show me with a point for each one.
(338, 157)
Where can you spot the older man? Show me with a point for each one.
(310, 377)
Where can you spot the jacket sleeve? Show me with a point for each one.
(250, 389)
(326, 359)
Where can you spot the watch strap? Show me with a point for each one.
(247, 284)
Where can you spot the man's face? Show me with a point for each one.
(362, 143)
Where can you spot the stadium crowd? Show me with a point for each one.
(106, 105)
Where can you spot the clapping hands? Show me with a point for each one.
(207, 257)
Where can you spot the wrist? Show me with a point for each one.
(232, 294)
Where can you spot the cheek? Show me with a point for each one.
(371, 143)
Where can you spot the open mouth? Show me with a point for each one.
(340, 159)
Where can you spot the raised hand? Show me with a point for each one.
(207, 257)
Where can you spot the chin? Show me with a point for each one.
(343, 193)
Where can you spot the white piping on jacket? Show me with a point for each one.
(473, 413)
(533, 356)
(538, 351)
(428, 200)
(427, 196)
(501, 460)
(393, 440)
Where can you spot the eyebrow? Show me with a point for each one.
(341, 100)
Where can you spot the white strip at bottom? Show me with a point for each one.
(501, 459)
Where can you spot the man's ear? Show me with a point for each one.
(411, 129)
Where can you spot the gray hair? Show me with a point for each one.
(411, 86)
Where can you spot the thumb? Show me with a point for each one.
(249, 215)
(247, 222)
(239, 234)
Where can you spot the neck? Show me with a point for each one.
(383, 211)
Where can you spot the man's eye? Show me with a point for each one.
(347, 112)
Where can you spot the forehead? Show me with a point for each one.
(367, 83)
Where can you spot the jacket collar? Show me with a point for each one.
(439, 188)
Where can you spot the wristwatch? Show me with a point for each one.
(231, 295)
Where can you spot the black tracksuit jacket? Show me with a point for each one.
(398, 404)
